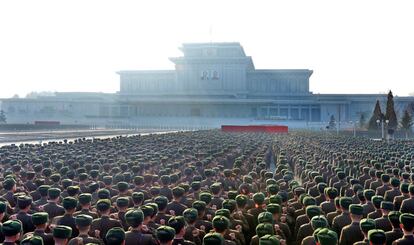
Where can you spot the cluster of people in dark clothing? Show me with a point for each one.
(208, 188)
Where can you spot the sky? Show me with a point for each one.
(78, 45)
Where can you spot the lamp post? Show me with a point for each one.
(382, 121)
(353, 127)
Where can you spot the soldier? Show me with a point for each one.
(165, 189)
(407, 206)
(201, 223)
(175, 207)
(69, 204)
(107, 181)
(405, 194)
(178, 224)
(262, 230)
(52, 208)
(396, 233)
(376, 237)
(83, 224)
(365, 225)
(221, 226)
(394, 192)
(328, 206)
(40, 220)
(344, 218)
(24, 203)
(122, 206)
(306, 228)
(192, 233)
(352, 233)
(102, 225)
(376, 201)
(368, 206)
(383, 222)
(134, 218)
(317, 222)
(161, 217)
(259, 201)
(85, 205)
(407, 223)
(123, 192)
(115, 236)
(217, 200)
(215, 239)
(11, 230)
(385, 179)
(42, 200)
(61, 234)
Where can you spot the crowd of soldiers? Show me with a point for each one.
(208, 188)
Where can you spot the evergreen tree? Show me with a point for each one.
(376, 115)
(406, 123)
(3, 118)
(390, 114)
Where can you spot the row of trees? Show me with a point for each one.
(405, 123)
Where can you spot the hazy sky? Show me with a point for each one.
(352, 46)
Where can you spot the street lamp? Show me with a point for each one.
(382, 126)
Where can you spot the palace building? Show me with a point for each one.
(212, 84)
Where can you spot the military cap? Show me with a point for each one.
(394, 218)
(264, 229)
(134, 217)
(178, 191)
(269, 240)
(62, 232)
(66, 183)
(43, 189)
(299, 191)
(404, 188)
(200, 206)
(11, 227)
(395, 182)
(165, 234)
(177, 222)
(356, 209)
(73, 190)
(312, 211)
(319, 222)
(40, 218)
(122, 186)
(8, 183)
(3, 207)
(366, 225)
(32, 240)
(230, 205)
(24, 201)
(369, 193)
(259, 198)
(308, 201)
(274, 208)
(147, 210)
(265, 217)
(83, 220)
(103, 204)
(377, 200)
(223, 212)
(220, 223)
(272, 189)
(213, 239)
(69, 203)
(376, 236)
(138, 197)
(122, 202)
(232, 195)
(241, 200)
(345, 202)
(205, 197)
(341, 175)
(104, 194)
(387, 205)
(85, 198)
(327, 237)
(215, 188)
(196, 185)
(115, 236)
(53, 193)
(190, 215)
(407, 220)
(276, 199)
(107, 180)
